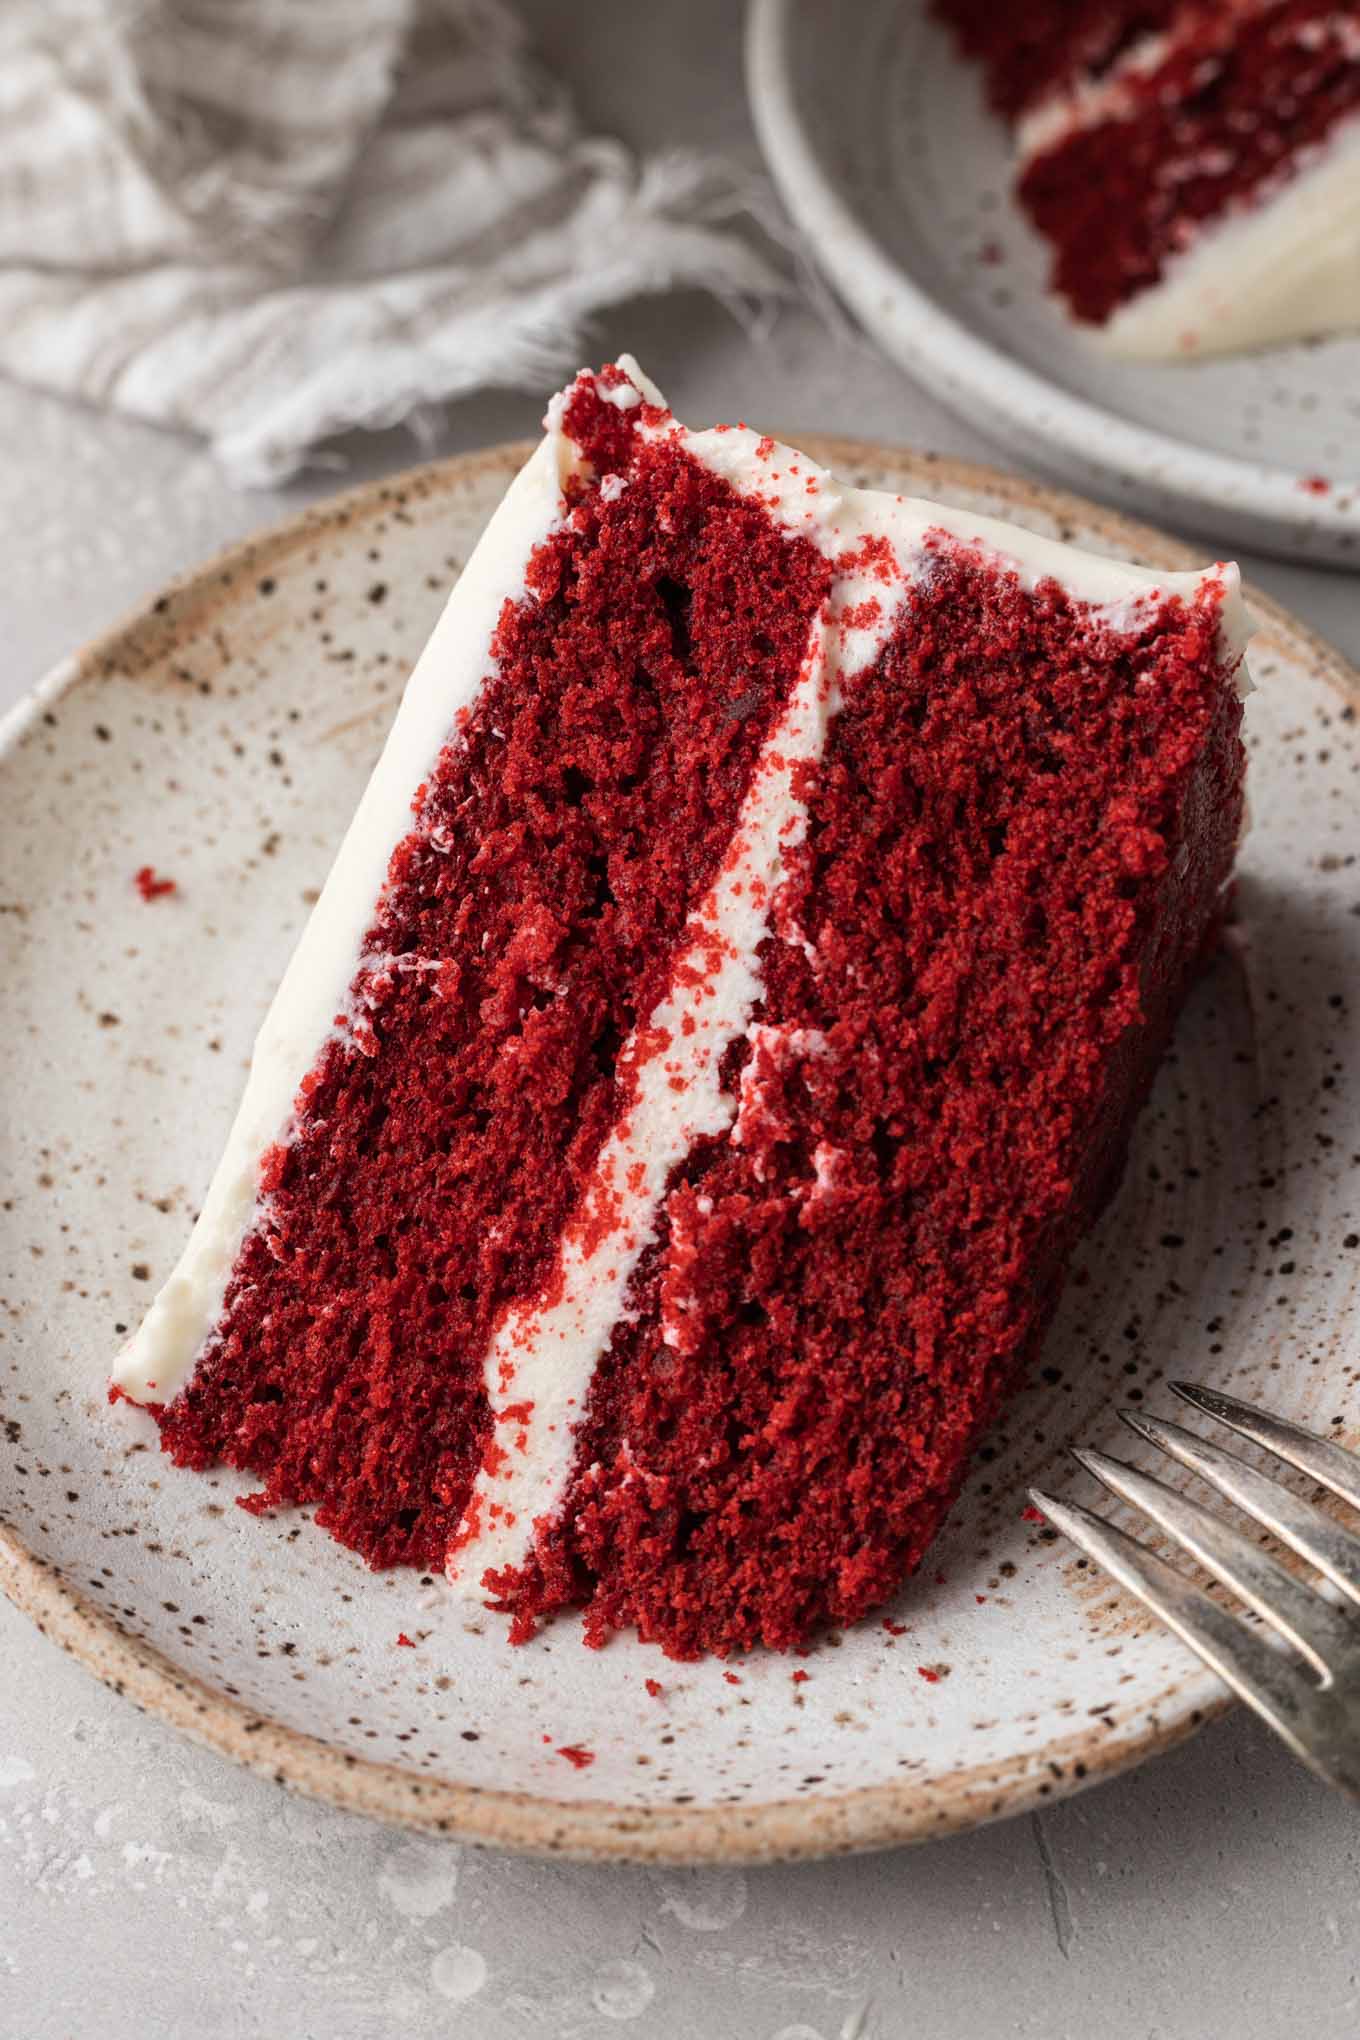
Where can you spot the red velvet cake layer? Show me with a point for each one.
(525, 929)
(1017, 847)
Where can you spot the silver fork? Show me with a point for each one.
(1305, 1683)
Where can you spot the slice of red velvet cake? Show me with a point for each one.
(1193, 164)
(727, 1009)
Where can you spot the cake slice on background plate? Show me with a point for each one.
(1193, 164)
(727, 1009)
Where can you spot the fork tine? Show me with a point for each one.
(1321, 1458)
(1292, 1609)
(1267, 1681)
(1333, 1550)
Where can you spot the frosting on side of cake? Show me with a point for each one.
(160, 1357)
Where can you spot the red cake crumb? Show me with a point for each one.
(654, 1687)
(151, 887)
(577, 1756)
(800, 1678)
(1315, 485)
(894, 1628)
(404, 1639)
(1029, 1514)
(926, 1672)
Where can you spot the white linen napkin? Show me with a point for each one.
(268, 221)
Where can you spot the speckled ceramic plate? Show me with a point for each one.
(222, 737)
(887, 158)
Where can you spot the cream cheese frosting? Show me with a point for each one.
(315, 987)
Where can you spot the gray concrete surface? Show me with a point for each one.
(148, 1889)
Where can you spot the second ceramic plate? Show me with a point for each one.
(888, 160)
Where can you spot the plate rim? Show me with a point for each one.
(967, 370)
(869, 1817)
